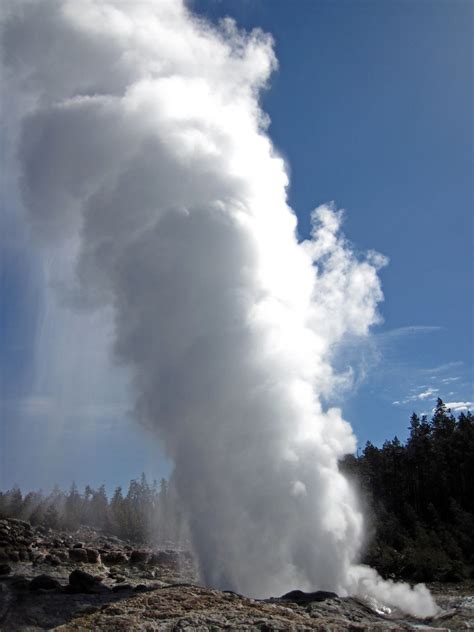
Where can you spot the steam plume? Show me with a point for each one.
(143, 149)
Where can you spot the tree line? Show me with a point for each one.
(147, 513)
(419, 499)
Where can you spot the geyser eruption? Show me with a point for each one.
(143, 147)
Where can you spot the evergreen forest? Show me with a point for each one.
(147, 514)
(417, 498)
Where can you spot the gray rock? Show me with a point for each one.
(139, 556)
(82, 582)
(114, 557)
(78, 555)
(300, 597)
(44, 582)
(93, 556)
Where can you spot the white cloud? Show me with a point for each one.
(430, 392)
(459, 406)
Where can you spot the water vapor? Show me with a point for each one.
(144, 154)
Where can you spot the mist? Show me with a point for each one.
(144, 160)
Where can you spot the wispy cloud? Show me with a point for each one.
(392, 335)
(409, 330)
(448, 366)
(416, 385)
(430, 392)
(459, 406)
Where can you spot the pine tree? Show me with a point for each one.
(73, 507)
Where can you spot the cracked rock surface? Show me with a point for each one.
(46, 584)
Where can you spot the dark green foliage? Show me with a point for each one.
(421, 499)
(147, 514)
(418, 501)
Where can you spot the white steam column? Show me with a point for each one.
(142, 145)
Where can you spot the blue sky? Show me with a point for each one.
(372, 108)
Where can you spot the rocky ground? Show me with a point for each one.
(88, 581)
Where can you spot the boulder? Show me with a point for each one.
(114, 557)
(139, 556)
(93, 556)
(44, 582)
(82, 582)
(78, 555)
(5, 569)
